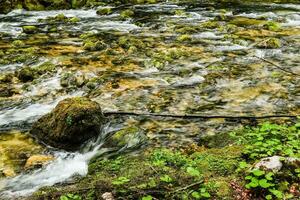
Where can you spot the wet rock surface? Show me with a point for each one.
(70, 124)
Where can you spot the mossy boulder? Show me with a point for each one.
(33, 5)
(18, 44)
(30, 29)
(6, 91)
(26, 74)
(127, 138)
(70, 124)
(271, 43)
(104, 11)
(91, 45)
(127, 14)
(78, 3)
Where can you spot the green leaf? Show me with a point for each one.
(205, 195)
(120, 181)
(277, 193)
(253, 184)
(243, 165)
(148, 197)
(192, 171)
(166, 178)
(264, 183)
(269, 197)
(258, 172)
(196, 195)
(63, 198)
(269, 176)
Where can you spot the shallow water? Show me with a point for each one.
(215, 71)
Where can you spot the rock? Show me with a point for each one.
(6, 91)
(33, 5)
(94, 46)
(74, 20)
(26, 74)
(271, 163)
(18, 43)
(276, 163)
(71, 79)
(8, 172)
(30, 29)
(107, 196)
(126, 138)
(37, 161)
(272, 43)
(104, 11)
(77, 3)
(70, 124)
(127, 14)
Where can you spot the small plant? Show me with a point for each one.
(70, 197)
(201, 194)
(69, 120)
(166, 178)
(265, 141)
(121, 181)
(193, 171)
(269, 140)
(148, 197)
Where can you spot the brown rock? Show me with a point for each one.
(37, 161)
(70, 124)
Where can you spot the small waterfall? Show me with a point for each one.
(63, 168)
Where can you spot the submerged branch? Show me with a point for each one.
(190, 116)
(277, 66)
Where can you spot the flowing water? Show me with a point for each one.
(174, 59)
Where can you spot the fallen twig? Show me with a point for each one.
(190, 116)
(277, 66)
(188, 186)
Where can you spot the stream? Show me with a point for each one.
(167, 58)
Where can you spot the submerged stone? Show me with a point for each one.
(127, 138)
(37, 161)
(26, 74)
(30, 29)
(104, 11)
(272, 43)
(70, 124)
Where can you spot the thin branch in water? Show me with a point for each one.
(191, 116)
(277, 66)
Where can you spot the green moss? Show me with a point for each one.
(272, 26)
(18, 43)
(45, 67)
(210, 24)
(184, 38)
(30, 29)
(26, 74)
(104, 11)
(244, 21)
(78, 3)
(33, 5)
(271, 43)
(74, 20)
(91, 45)
(127, 14)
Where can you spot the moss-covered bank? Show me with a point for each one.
(217, 171)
